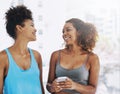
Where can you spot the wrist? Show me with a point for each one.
(50, 88)
(74, 85)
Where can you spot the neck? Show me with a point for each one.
(75, 49)
(20, 48)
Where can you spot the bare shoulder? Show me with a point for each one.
(36, 53)
(37, 56)
(55, 54)
(93, 56)
(3, 55)
(54, 57)
(3, 58)
(93, 59)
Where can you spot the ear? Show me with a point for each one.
(19, 28)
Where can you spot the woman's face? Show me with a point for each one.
(28, 30)
(69, 34)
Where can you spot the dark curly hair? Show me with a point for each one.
(86, 33)
(16, 16)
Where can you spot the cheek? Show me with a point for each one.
(74, 37)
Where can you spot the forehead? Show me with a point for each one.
(68, 25)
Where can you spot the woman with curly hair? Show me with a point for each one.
(20, 66)
(75, 69)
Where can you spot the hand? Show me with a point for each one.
(55, 86)
(68, 84)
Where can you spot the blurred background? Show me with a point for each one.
(49, 17)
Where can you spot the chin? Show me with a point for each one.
(68, 44)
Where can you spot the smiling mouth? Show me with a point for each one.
(66, 38)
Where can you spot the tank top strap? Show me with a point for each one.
(31, 54)
(32, 57)
(9, 55)
(87, 58)
(59, 56)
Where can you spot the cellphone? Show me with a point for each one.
(60, 79)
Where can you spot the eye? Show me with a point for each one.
(68, 30)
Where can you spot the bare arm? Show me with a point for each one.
(93, 77)
(1, 76)
(39, 61)
(3, 66)
(51, 76)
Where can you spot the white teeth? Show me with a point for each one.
(66, 38)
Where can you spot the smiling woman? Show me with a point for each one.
(18, 63)
(76, 61)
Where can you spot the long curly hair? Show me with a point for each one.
(86, 33)
(16, 16)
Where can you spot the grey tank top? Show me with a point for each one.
(79, 75)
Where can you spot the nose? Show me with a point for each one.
(64, 33)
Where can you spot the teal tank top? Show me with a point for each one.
(79, 75)
(19, 81)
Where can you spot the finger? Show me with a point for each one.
(58, 89)
(62, 83)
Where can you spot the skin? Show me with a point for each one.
(20, 53)
(73, 58)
